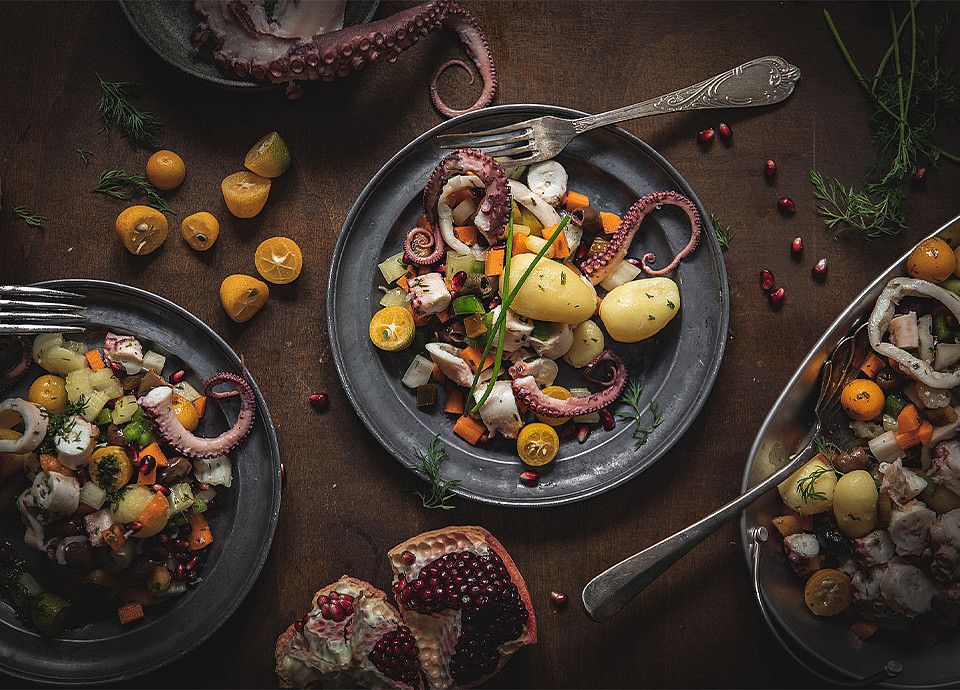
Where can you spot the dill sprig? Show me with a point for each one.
(84, 155)
(120, 184)
(30, 217)
(138, 127)
(631, 398)
(440, 492)
(806, 485)
(909, 91)
(61, 424)
(723, 233)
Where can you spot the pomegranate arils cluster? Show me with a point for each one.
(335, 607)
(397, 657)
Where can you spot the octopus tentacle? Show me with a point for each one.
(598, 267)
(422, 247)
(527, 391)
(478, 49)
(14, 361)
(158, 405)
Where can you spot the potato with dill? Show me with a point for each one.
(810, 489)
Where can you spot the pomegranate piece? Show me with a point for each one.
(607, 420)
(766, 280)
(465, 601)
(320, 401)
(919, 178)
(769, 169)
(583, 433)
(723, 129)
(776, 297)
(787, 205)
(558, 599)
(796, 247)
(530, 477)
(819, 269)
(706, 136)
(177, 377)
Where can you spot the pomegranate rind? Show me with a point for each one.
(429, 546)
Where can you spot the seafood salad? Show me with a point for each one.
(875, 530)
(110, 483)
(508, 272)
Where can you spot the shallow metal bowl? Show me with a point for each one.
(825, 646)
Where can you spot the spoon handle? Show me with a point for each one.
(612, 589)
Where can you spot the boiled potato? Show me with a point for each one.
(810, 489)
(942, 500)
(638, 310)
(552, 292)
(855, 503)
(587, 344)
(133, 500)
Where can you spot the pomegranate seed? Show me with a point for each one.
(766, 280)
(441, 268)
(133, 453)
(164, 538)
(493, 303)
(298, 625)
(769, 169)
(160, 488)
(6, 551)
(558, 599)
(819, 269)
(147, 464)
(320, 401)
(787, 205)
(919, 178)
(115, 368)
(581, 252)
(583, 433)
(530, 477)
(181, 544)
(484, 438)
(178, 376)
(706, 136)
(181, 572)
(776, 297)
(193, 562)
(607, 420)
(408, 557)
(136, 525)
(797, 247)
(723, 129)
(458, 281)
(203, 486)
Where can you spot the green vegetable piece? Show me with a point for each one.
(146, 438)
(138, 415)
(541, 330)
(132, 432)
(895, 404)
(467, 304)
(940, 327)
(51, 614)
(105, 417)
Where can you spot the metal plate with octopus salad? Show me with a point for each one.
(522, 330)
(121, 453)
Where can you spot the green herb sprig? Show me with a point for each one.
(806, 485)
(631, 398)
(62, 423)
(723, 233)
(116, 110)
(84, 155)
(440, 493)
(119, 184)
(30, 217)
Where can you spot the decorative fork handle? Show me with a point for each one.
(762, 81)
(612, 589)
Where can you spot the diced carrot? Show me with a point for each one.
(864, 629)
(561, 249)
(50, 464)
(610, 221)
(575, 200)
(459, 197)
(403, 283)
(520, 244)
(788, 524)
(925, 433)
(872, 366)
(469, 429)
(113, 537)
(201, 537)
(201, 405)
(148, 479)
(154, 509)
(437, 376)
(466, 234)
(473, 326)
(154, 450)
(471, 355)
(455, 401)
(419, 319)
(907, 439)
(908, 419)
(806, 521)
(95, 360)
(495, 260)
(130, 612)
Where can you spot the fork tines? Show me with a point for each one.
(490, 141)
(26, 310)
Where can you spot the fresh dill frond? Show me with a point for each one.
(873, 211)
(806, 485)
(61, 424)
(84, 155)
(440, 493)
(116, 110)
(120, 184)
(30, 217)
(631, 398)
(723, 233)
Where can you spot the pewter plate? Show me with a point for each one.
(166, 28)
(677, 367)
(102, 651)
(825, 646)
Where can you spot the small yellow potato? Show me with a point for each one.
(639, 309)
(810, 489)
(552, 292)
(587, 344)
(855, 503)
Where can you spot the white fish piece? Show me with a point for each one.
(906, 589)
(556, 343)
(910, 527)
(34, 536)
(905, 331)
(803, 552)
(96, 523)
(454, 367)
(549, 180)
(124, 350)
(900, 483)
(34, 425)
(55, 494)
(945, 542)
(946, 465)
(429, 294)
(75, 442)
(500, 413)
(517, 329)
(875, 548)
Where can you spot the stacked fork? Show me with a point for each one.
(29, 311)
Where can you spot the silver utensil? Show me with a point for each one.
(610, 591)
(27, 310)
(762, 81)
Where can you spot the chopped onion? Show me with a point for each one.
(394, 298)
(186, 391)
(214, 471)
(463, 211)
(392, 267)
(948, 354)
(885, 447)
(418, 373)
(623, 273)
(92, 495)
(154, 361)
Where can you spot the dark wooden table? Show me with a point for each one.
(346, 501)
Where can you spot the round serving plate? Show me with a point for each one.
(167, 26)
(103, 651)
(677, 367)
(825, 646)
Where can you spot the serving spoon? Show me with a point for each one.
(612, 589)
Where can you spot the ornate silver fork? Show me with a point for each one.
(25, 310)
(611, 590)
(762, 81)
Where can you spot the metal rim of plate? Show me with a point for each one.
(821, 646)
(473, 466)
(157, 40)
(104, 652)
